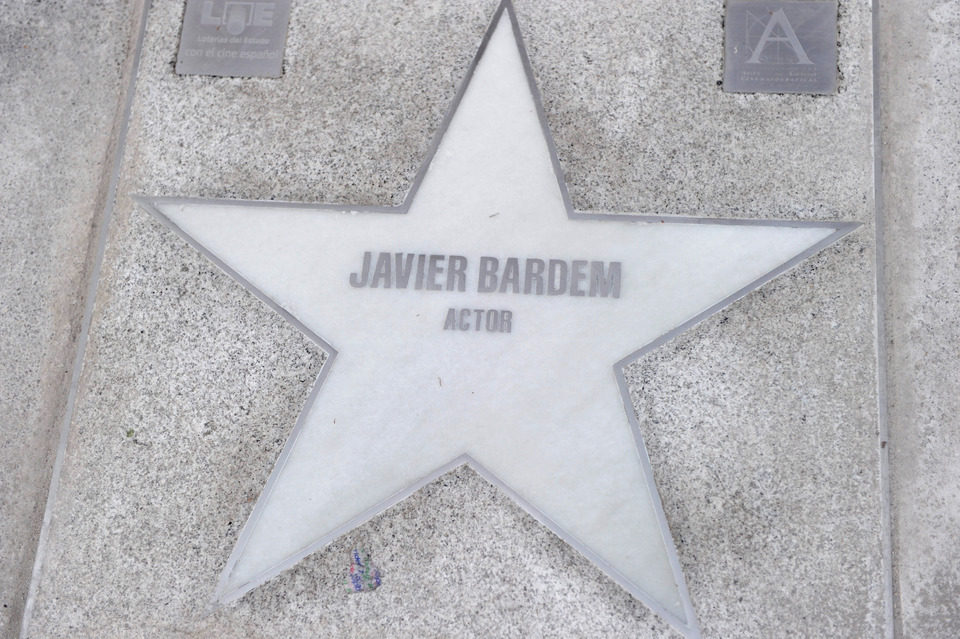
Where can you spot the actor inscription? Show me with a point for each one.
(511, 275)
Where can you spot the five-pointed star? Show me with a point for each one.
(537, 403)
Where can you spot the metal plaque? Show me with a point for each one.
(239, 38)
(780, 47)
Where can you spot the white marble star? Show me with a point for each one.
(537, 403)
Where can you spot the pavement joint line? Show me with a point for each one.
(883, 426)
(93, 282)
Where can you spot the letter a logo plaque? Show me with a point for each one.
(481, 322)
(780, 47)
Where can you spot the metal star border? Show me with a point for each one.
(683, 620)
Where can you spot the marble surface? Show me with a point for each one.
(761, 422)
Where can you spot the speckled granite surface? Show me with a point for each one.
(761, 423)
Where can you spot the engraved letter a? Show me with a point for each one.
(779, 18)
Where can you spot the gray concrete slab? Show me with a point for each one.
(920, 46)
(60, 80)
(761, 423)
